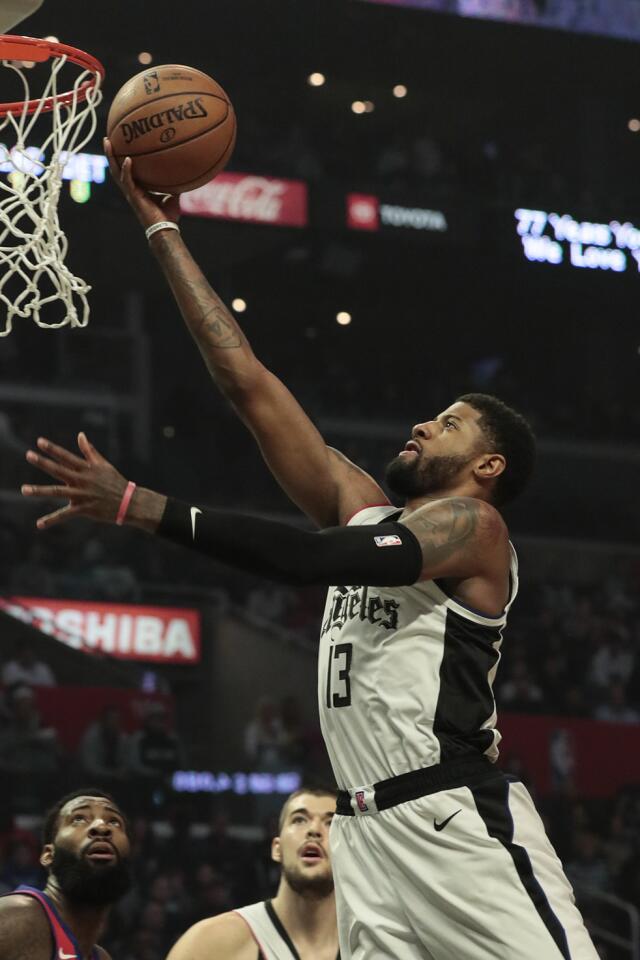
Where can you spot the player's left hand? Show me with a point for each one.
(92, 485)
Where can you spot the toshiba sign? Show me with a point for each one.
(237, 196)
(125, 631)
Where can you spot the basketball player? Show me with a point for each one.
(300, 922)
(86, 856)
(436, 854)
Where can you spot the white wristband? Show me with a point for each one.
(162, 225)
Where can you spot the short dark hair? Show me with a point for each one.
(314, 791)
(510, 435)
(51, 817)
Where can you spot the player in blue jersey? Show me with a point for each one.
(86, 854)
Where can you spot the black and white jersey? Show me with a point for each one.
(405, 676)
(273, 941)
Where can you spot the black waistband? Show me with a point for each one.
(466, 772)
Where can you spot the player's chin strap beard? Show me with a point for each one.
(310, 888)
(83, 883)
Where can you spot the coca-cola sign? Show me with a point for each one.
(237, 196)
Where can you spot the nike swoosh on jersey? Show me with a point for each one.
(194, 516)
(441, 826)
(66, 956)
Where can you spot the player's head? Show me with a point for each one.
(86, 848)
(478, 443)
(302, 844)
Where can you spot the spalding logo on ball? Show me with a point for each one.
(176, 123)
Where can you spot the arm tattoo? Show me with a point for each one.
(204, 312)
(445, 531)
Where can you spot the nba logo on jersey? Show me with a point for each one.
(390, 541)
(360, 801)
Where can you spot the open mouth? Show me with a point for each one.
(410, 447)
(101, 852)
(311, 853)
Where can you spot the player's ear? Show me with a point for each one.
(46, 857)
(276, 850)
(490, 466)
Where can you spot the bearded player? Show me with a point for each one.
(86, 856)
(300, 921)
(436, 853)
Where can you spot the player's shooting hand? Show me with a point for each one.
(148, 207)
(93, 487)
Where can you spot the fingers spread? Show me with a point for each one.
(51, 467)
(61, 454)
(58, 516)
(88, 450)
(52, 490)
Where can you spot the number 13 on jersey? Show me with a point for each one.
(338, 670)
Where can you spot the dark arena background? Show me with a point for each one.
(426, 199)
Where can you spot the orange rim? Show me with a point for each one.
(38, 51)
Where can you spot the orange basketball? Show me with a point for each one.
(176, 123)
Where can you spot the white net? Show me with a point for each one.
(33, 245)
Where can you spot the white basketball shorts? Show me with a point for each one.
(464, 873)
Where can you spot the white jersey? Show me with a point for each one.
(405, 676)
(272, 940)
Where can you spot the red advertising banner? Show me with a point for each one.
(122, 630)
(253, 199)
(593, 757)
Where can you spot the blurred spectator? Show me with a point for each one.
(29, 752)
(21, 867)
(25, 667)
(615, 660)
(111, 580)
(155, 753)
(293, 733)
(616, 710)
(265, 738)
(211, 894)
(588, 868)
(103, 751)
(11, 834)
(33, 577)
(520, 693)
(553, 682)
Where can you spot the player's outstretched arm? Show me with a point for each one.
(226, 937)
(459, 538)
(322, 482)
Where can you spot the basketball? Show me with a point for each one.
(176, 123)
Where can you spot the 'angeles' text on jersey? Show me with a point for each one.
(405, 676)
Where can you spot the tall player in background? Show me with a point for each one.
(436, 854)
(86, 857)
(300, 922)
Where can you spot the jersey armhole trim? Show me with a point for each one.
(366, 506)
(261, 953)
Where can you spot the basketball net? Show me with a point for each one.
(33, 245)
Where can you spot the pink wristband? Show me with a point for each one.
(124, 503)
